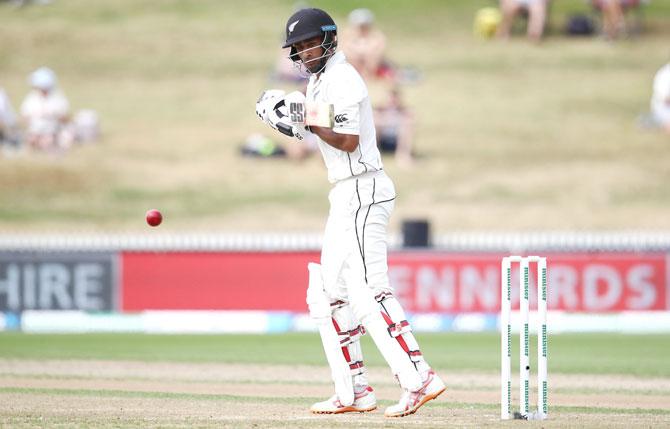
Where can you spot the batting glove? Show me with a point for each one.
(278, 119)
(296, 112)
(266, 102)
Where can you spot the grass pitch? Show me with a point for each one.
(114, 380)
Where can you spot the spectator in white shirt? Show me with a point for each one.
(45, 111)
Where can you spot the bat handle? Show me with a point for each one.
(285, 129)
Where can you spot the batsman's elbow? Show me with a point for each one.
(349, 143)
(350, 148)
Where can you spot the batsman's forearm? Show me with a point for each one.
(345, 142)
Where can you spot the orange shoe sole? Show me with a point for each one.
(417, 406)
(347, 410)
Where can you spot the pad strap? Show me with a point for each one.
(348, 337)
(399, 328)
(351, 348)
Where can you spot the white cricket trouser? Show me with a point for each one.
(354, 244)
(355, 271)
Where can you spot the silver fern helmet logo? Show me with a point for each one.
(292, 26)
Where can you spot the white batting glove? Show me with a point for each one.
(299, 131)
(266, 102)
(278, 119)
(288, 115)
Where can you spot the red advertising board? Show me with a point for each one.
(424, 281)
(438, 282)
(215, 281)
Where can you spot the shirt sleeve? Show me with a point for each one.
(346, 92)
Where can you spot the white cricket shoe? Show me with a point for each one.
(432, 387)
(364, 400)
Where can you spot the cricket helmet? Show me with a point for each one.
(309, 23)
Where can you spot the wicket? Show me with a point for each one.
(524, 343)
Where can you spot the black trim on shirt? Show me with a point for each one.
(360, 239)
(365, 221)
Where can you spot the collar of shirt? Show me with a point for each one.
(337, 58)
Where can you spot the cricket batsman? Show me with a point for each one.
(349, 292)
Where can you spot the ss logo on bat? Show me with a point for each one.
(297, 112)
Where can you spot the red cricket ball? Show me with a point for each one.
(154, 217)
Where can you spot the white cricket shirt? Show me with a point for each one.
(44, 112)
(341, 85)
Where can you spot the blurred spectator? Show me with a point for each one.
(21, 3)
(285, 69)
(613, 14)
(536, 11)
(660, 100)
(364, 45)
(9, 137)
(613, 19)
(86, 126)
(395, 128)
(260, 146)
(45, 111)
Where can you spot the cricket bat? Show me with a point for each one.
(319, 115)
(311, 114)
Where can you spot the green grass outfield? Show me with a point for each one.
(641, 355)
